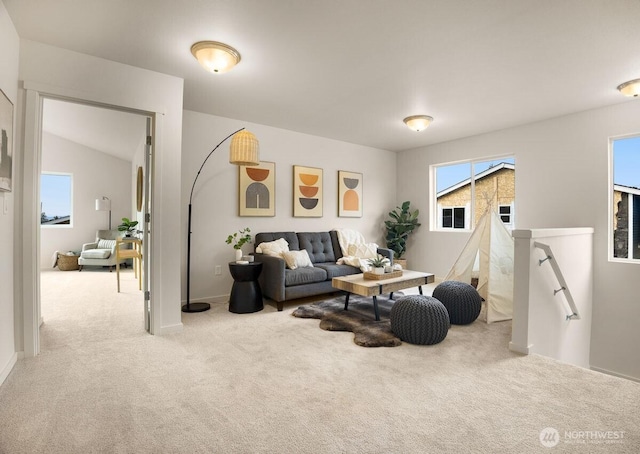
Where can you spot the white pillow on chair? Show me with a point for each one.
(106, 244)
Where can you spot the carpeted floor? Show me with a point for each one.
(270, 383)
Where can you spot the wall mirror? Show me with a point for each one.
(139, 186)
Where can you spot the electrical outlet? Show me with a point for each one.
(218, 270)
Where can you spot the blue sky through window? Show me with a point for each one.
(626, 161)
(55, 194)
(447, 176)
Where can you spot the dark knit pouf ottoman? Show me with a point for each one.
(419, 319)
(463, 302)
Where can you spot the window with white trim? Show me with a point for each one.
(625, 196)
(459, 200)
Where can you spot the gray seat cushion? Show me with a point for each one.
(318, 245)
(96, 254)
(301, 276)
(334, 270)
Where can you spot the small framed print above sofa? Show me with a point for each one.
(349, 194)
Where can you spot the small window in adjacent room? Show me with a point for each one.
(625, 194)
(461, 200)
(56, 199)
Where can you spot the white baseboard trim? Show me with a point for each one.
(209, 299)
(520, 349)
(171, 329)
(615, 374)
(8, 368)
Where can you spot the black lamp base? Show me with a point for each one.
(196, 307)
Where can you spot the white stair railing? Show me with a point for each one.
(563, 284)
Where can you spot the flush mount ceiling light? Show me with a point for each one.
(631, 88)
(418, 122)
(215, 57)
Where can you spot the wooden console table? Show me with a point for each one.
(134, 253)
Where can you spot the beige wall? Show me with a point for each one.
(9, 45)
(215, 197)
(563, 181)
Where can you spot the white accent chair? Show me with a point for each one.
(102, 252)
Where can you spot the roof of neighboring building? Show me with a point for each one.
(479, 176)
(60, 220)
(629, 189)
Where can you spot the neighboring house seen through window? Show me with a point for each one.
(625, 193)
(460, 200)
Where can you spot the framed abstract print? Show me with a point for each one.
(257, 190)
(307, 192)
(349, 194)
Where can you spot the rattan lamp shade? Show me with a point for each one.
(244, 149)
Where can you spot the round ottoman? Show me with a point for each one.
(419, 319)
(463, 302)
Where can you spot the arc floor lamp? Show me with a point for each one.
(244, 150)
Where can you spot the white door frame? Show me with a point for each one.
(32, 149)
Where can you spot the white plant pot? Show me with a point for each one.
(238, 254)
(378, 270)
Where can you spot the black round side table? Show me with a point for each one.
(246, 294)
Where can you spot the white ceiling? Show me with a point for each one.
(120, 134)
(353, 69)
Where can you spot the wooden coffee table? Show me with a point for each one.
(357, 284)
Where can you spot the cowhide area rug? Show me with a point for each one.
(359, 319)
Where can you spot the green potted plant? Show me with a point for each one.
(378, 264)
(402, 224)
(128, 227)
(239, 239)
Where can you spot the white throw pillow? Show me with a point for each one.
(363, 250)
(297, 259)
(274, 248)
(106, 244)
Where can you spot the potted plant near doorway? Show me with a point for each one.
(128, 227)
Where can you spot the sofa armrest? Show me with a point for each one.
(272, 277)
(87, 246)
(388, 253)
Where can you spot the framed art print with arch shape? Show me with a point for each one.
(257, 189)
(350, 194)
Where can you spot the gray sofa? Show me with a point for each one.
(282, 284)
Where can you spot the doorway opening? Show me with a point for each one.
(107, 152)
